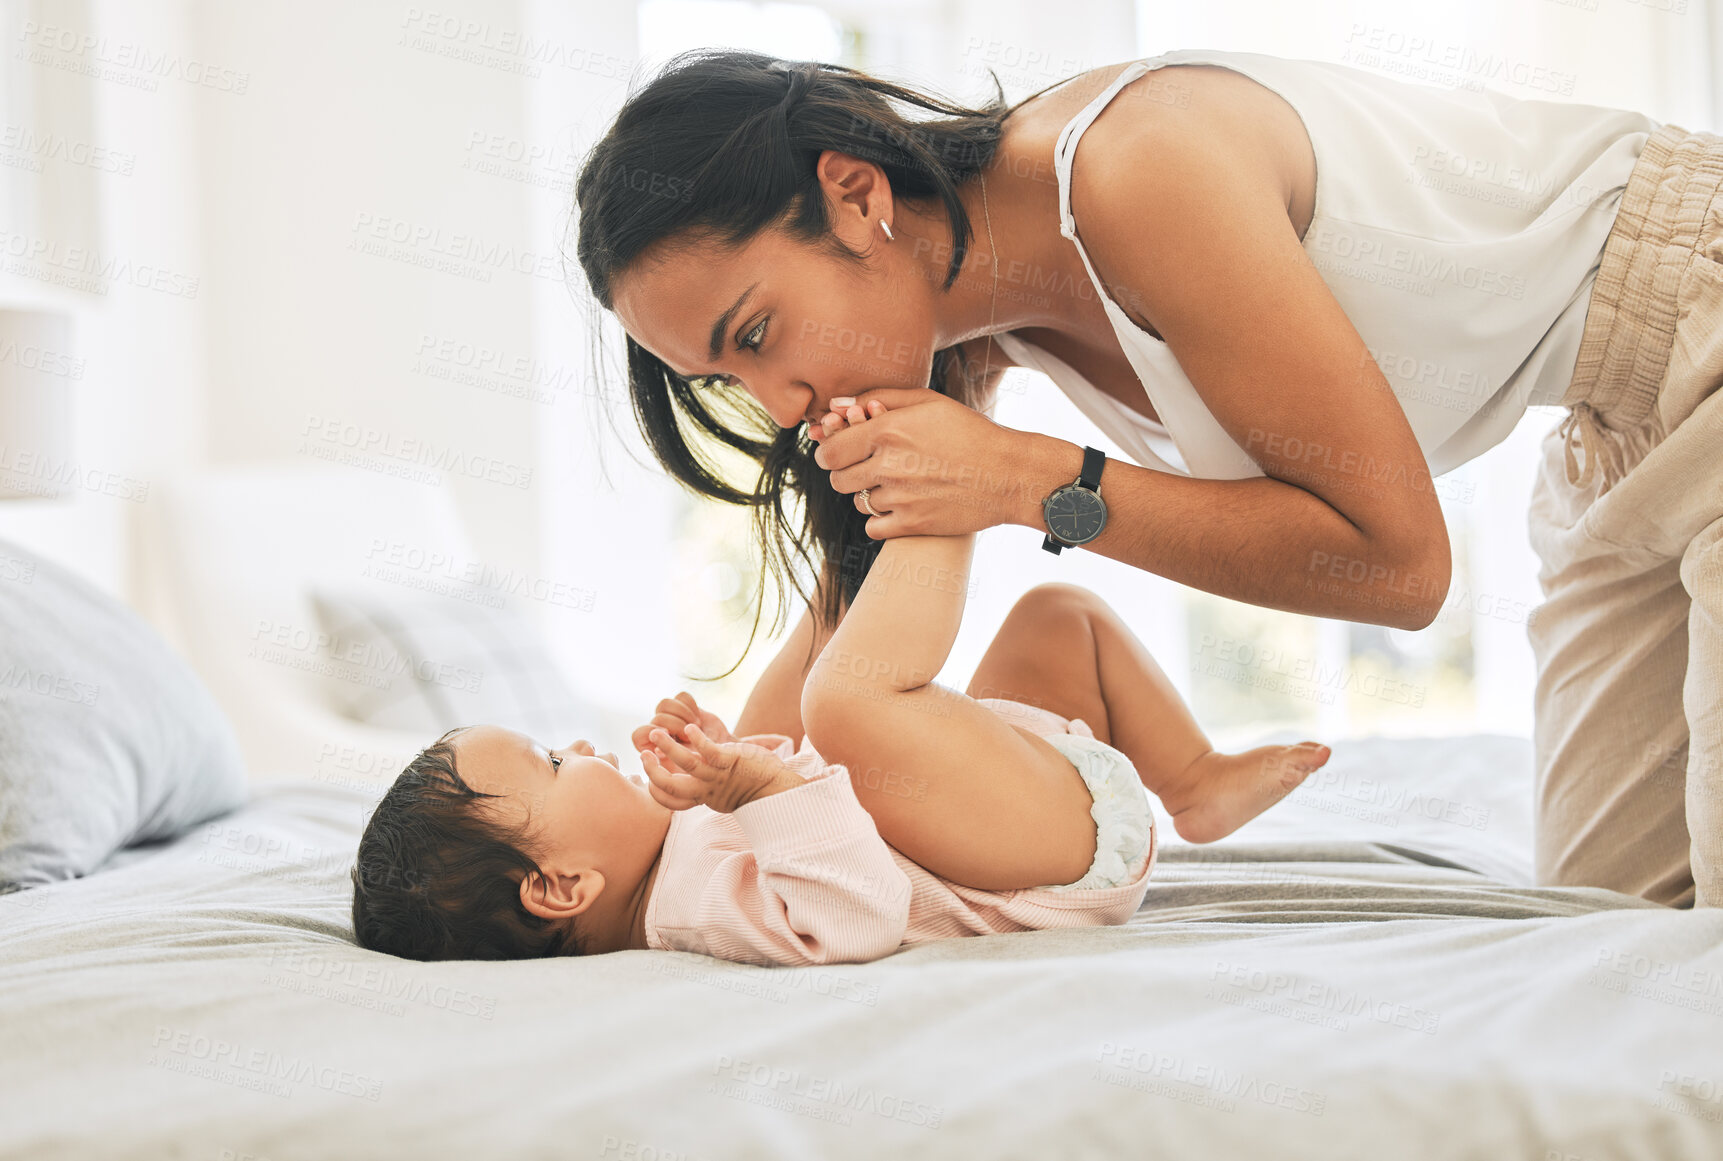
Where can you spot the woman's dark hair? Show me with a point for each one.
(718, 146)
(436, 876)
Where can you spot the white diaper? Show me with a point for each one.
(1124, 820)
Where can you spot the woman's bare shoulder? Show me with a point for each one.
(1195, 115)
(1049, 109)
(1185, 100)
(1175, 88)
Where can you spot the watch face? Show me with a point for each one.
(1075, 515)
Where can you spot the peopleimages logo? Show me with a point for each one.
(138, 65)
(818, 1097)
(362, 440)
(40, 473)
(92, 271)
(42, 359)
(450, 251)
(481, 42)
(1371, 259)
(180, 1050)
(54, 685)
(1287, 994)
(24, 142)
(1199, 1082)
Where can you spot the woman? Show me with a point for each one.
(1298, 292)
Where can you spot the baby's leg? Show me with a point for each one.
(1064, 649)
(949, 783)
(952, 785)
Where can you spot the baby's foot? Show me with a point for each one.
(845, 412)
(1222, 792)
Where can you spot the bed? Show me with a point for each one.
(1364, 972)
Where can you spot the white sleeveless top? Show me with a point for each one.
(1460, 231)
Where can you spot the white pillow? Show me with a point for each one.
(428, 663)
(107, 738)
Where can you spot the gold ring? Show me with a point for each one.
(867, 503)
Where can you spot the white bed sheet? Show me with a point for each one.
(1364, 972)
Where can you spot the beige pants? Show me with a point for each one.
(1627, 519)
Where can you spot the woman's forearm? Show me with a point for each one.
(899, 630)
(1259, 540)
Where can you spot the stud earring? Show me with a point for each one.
(889, 236)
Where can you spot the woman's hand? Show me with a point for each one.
(932, 466)
(722, 776)
(676, 714)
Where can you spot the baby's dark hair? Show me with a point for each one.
(436, 876)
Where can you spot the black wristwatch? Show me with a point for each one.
(1075, 513)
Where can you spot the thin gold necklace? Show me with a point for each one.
(993, 261)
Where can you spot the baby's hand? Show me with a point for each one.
(845, 412)
(722, 776)
(675, 714)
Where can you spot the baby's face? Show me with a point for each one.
(582, 805)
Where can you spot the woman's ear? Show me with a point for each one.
(559, 895)
(858, 196)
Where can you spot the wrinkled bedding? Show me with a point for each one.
(1366, 971)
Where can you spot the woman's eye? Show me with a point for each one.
(752, 340)
(555, 762)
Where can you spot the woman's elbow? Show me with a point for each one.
(1422, 586)
(1401, 587)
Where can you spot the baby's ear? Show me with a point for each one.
(560, 895)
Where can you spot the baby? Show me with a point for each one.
(907, 812)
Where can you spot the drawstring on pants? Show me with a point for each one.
(1582, 422)
(1605, 448)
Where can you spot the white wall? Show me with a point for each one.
(371, 199)
(951, 46)
(135, 214)
(1655, 56)
(349, 131)
(609, 513)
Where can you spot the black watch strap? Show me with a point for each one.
(1094, 460)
